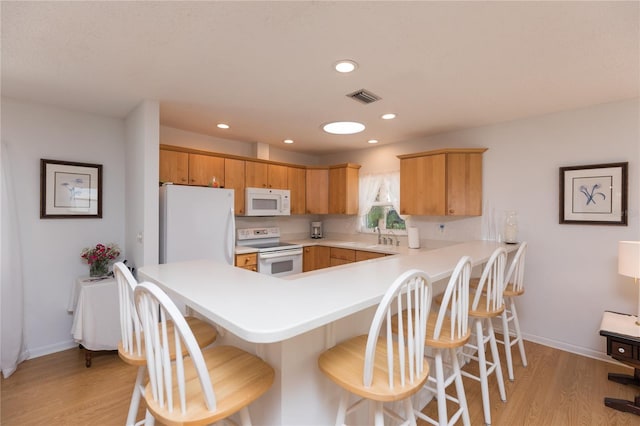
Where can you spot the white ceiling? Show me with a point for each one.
(265, 67)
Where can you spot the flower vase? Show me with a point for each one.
(99, 268)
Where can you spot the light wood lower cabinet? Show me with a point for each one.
(315, 257)
(340, 256)
(366, 255)
(247, 261)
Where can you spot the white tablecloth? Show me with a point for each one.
(96, 317)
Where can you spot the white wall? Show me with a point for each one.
(177, 137)
(142, 209)
(571, 275)
(51, 247)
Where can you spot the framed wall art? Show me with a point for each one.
(594, 194)
(70, 190)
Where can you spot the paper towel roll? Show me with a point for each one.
(414, 237)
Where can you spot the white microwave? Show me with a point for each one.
(267, 202)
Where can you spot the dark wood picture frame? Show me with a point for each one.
(594, 194)
(70, 190)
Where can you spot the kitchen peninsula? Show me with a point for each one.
(290, 321)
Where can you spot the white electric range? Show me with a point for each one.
(274, 257)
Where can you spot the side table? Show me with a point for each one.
(623, 344)
(96, 318)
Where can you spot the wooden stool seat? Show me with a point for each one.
(344, 364)
(487, 303)
(204, 333)
(131, 348)
(380, 368)
(200, 386)
(238, 378)
(447, 332)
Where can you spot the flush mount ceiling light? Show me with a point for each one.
(345, 66)
(372, 141)
(288, 141)
(389, 116)
(223, 126)
(343, 127)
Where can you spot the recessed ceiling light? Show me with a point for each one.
(345, 66)
(343, 127)
(372, 141)
(288, 141)
(389, 116)
(223, 126)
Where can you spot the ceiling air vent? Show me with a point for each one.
(364, 96)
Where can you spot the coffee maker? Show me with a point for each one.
(316, 229)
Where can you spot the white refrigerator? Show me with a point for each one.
(196, 223)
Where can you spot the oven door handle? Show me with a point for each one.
(278, 254)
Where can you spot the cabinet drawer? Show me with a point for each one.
(621, 349)
(366, 255)
(245, 260)
(336, 262)
(343, 254)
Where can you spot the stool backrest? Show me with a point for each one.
(491, 282)
(411, 291)
(455, 302)
(130, 328)
(158, 314)
(515, 274)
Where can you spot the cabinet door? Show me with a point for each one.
(203, 168)
(234, 179)
(343, 190)
(315, 257)
(464, 184)
(348, 255)
(256, 174)
(297, 185)
(422, 185)
(317, 191)
(174, 167)
(278, 176)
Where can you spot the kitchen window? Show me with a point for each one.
(379, 204)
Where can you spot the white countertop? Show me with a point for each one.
(264, 309)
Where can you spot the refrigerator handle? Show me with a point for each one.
(231, 236)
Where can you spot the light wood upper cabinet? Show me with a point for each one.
(174, 167)
(317, 195)
(343, 189)
(296, 177)
(203, 168)
(445, 182)
(234, 175)
(264, 175)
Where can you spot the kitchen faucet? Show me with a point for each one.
(377, 228)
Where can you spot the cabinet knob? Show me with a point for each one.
(621, 350)
(451, 211)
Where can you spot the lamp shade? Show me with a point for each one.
(629, 258)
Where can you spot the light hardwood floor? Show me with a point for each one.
(556, 389)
